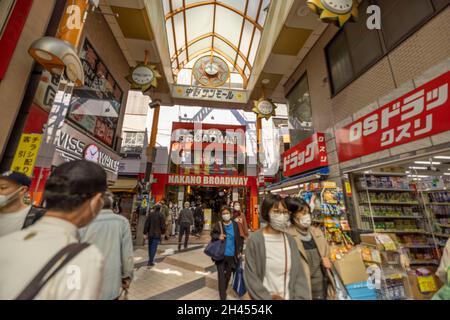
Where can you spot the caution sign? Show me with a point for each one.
(27, 153)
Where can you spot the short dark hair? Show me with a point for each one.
(72, 183)
(294, 205)
(225, 208)
(269, 202)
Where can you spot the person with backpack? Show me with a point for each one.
(46, 261)
(15, 214)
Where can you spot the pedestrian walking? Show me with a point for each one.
(186, 220)
(111, 234)
(73, 196)
(240, 218)
(273, 270)
(199, 218)
(227, 230)
(314, 250)
(442, 271)
(167, 218)
(154, 229)
(15, 214)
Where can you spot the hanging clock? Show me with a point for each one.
(264, 108)
(143, 77)
(335, 11)
(211, 71)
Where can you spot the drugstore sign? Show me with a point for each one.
(421, 113)
(307, 155)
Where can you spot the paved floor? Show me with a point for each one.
(185, 275)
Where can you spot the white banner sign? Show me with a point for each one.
(209, 94)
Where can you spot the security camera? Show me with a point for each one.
(155, 104)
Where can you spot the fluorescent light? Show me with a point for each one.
(408, 172)
(417, 176)
(290, 188)
(447, 174)
(442, 157)
(418, 168)
(428, 162)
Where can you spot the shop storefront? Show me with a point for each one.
(305, 167)
(208, 165)
(397, 161)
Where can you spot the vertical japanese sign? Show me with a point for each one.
(307, 155)
(419, 114)
(26, 153)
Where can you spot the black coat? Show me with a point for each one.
(238, 240)
(155, 225)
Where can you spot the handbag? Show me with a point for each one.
(238, 280)
(216, 249)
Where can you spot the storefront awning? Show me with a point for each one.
(295, 181)
(124, 185)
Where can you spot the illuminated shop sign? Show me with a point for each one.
(419, 114)
(201, 180)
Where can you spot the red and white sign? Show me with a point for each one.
(307, 155)
(213, 181)
(419, 114)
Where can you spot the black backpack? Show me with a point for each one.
(33, 216)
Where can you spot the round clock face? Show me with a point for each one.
(143, 75)
(211, 71)
(92, 153)
(265, 107)
(338, 6)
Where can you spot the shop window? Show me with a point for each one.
(356, 48)
(300, 113)
(400, 17)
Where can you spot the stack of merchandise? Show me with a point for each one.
(352, 272)
(388, 262)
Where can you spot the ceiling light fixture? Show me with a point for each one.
(428, 162)
(442, 157)
(418, 168)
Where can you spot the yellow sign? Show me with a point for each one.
(427, 284)
(27, 153)
(72, 22)
(329, 185)
(348, 189)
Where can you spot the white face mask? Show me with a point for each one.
(5, 200)
(226, 217)
(305, 221)
(237, 207)
(280, 222)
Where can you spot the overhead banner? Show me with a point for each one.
(419, 114)
(308, 155)
(26, 153)
(209, 94)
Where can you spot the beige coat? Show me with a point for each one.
(324, 251)
(445, 263)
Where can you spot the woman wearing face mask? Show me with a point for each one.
(227, 230)
(240, 219)
(314, 249)
(273, 269)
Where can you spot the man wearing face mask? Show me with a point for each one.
(314, 249)
(46, 261)
(14, 213)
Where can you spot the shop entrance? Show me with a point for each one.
(212, 198)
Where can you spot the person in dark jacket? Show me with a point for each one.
(199, 218)
(186, 220)
(154, 228)
(227, 230)
(15, 214)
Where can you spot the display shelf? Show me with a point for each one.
(424, 262)
(438, 203)
(443, 225)
(390, 203)
(435, 190)
(400, 231)
(385, 190)
(417, 246)
(392, 217)
(443, 235)
(387, 174)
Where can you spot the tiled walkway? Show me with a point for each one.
(186, 275)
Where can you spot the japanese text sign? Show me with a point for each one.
(26, 153)
(307, 155)
(419, 114)
(210, 94)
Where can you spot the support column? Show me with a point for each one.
(255, 195)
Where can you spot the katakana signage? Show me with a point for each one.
(308, 155)
(419, 114)
(209, 94)
(26, 153)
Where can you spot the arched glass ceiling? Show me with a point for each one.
(230, 29)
